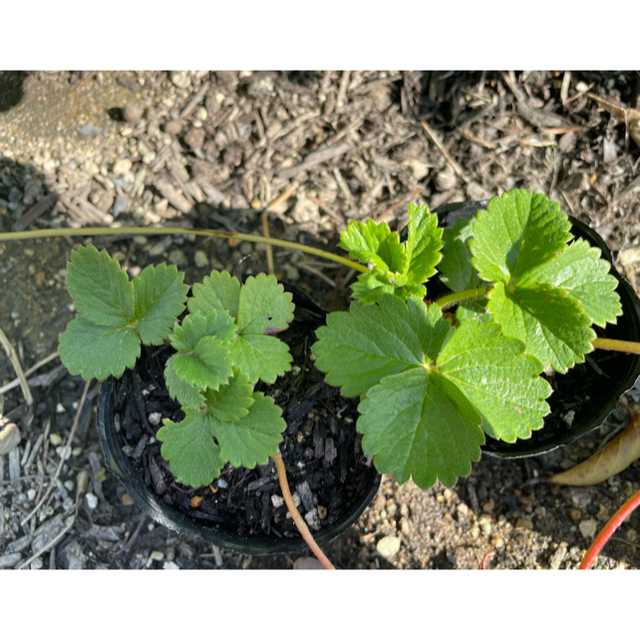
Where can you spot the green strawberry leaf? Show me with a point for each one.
(209, 365)
(547, 319)
(356, 349)
(545, 293)
(585, 277)
(376, 245)
(159, 298)
(519, 231)
(218, 291)
(193, 455)
(455, 267)
(264, 306)
(423, 244)
(195, 326)
(261, 357)
(419, 425)
(430, 389)
(500, 381)
(473, 309)
(232, 401)
(254, 437)
(370, 287)
(186, 394)
(100, 289)
(397, 268)
(97, 351)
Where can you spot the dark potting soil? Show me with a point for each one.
(321, 449)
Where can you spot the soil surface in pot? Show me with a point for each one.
(321, 448)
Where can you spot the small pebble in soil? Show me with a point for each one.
(155, 418)
(92, 500)
(588, 528)
(388, 546)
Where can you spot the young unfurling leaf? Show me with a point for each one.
(397, 268)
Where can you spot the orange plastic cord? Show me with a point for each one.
(295, 514)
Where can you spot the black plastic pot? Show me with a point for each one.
(116, 460)
(586, 394)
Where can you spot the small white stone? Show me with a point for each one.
(588, 528)
(92, 500)
(388, 546)
(60, 409)
(277, 501)
(157, 555)
(155, 418)
(170, 566)
(31, 494)
(222, 484)
(311, 518)
(50, 165)
(121, 165)
(181, 79)
(63, 452)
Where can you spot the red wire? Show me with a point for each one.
(486, 557)
(609, 529)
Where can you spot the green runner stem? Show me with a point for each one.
(461, 296)
(230, 235)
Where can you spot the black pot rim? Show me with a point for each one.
(630, 317)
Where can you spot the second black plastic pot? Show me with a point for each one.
(586, 394)
(308, 314)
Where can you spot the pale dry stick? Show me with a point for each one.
(51, 543)
(564, 89)
(13, 356)
(326, 209)
(197, 96)
(265, 231)
(295, 514)
(285, 195)
(80, 491)
(63, 458)
(579, 93)
(401, 202)
(28, 372)
(342, 89)
(454, 165)
(315, 272)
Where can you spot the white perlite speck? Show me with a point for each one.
(92, 500)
